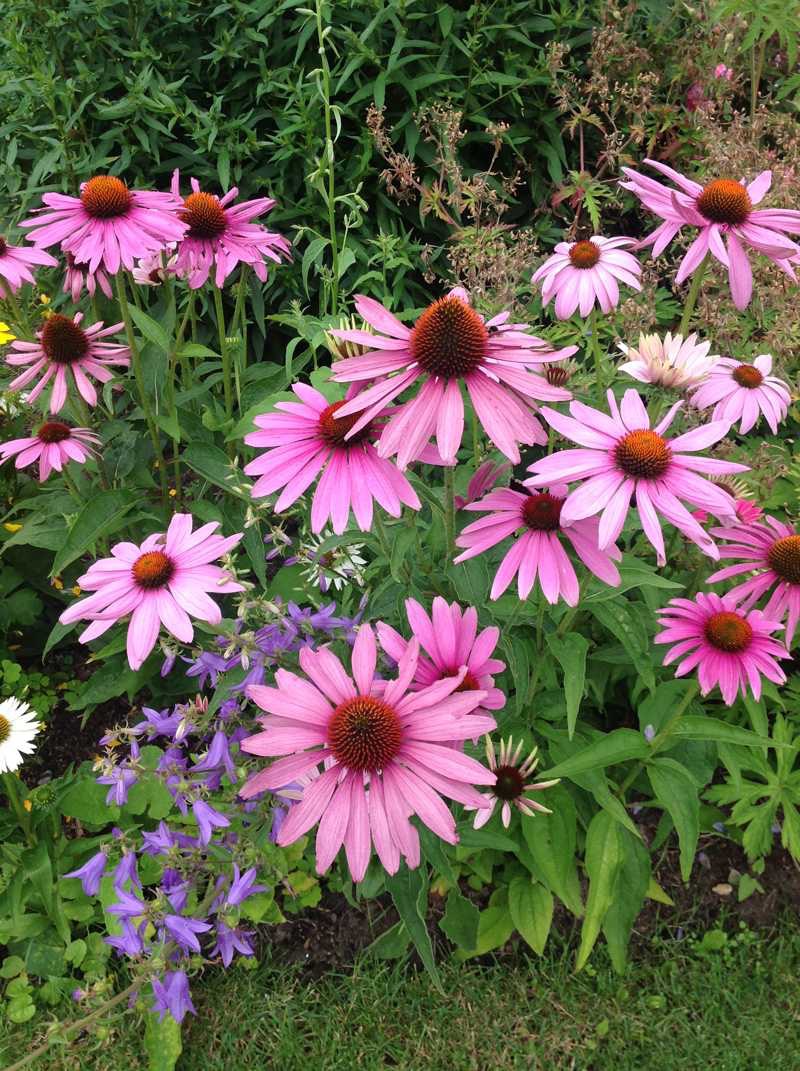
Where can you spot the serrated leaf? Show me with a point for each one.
(460, 921)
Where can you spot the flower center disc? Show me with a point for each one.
(3, 247)
(510, 783)
(470, 682)
(449, 339)
(643, 454)
(333, 429)
(748, 376)
(555, 376)
(204, 214)
(364, 733)
(725, 201)
(62, 340)
(784, 558)
(105, 197)
(728, 631)
(153, 570)
(53, 432)
(542, 512)
(5, 729)
(584, 254)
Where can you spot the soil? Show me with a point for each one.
(68, 742)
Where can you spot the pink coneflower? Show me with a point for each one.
(483, 479)
(450, 639)
(537, 549)
(53, 446)
(384, 749)
(770, 551)
(587, 273)
(674, 361)
(309, 437)
(222, 235)
(744, 392)
(622, 456)
(727, 645)
(449, 344)
(108, 226)
(723, 210)
(153, 269)
(512, 783)
(65, 349)
(164, 581)
(15, 264)
(76, 278)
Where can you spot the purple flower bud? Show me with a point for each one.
(649, 733)
(218, 755)
(126, 871)
(127, 906)
(91, 873)
(172, 996)
(242, 886)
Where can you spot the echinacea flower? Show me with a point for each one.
(221, 235)
(384, 748)
(727, 645)
(770, 553)
(583, 274)
(450, 639)
(54, 445)
(153, 269)
(673, 361)
(744, 392)
(16, 262)
(449, 344)
(724, 213)
(622, 456)
(165, 581)
(535, 522)
(18, 727)
(64, 349)
(77, 277)
(483, 479)
(108, 226)
(512, 783)
(308, 438)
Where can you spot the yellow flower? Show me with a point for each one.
(76, 590)
(45, 299)
(27, 805)
(6, 334)
(57, 583)
(10, 527)
(172, 492)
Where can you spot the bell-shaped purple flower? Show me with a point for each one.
(207, 820)
(91, 873)
(172, 996)
(184, 931)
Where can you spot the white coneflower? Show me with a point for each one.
(18, 727)
(672, 361)
(512, 783)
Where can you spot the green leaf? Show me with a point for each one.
(409, 891)
(609, 749)
(101, 516)
(485, 838)
(676, 791)
(460, 921)
(86, 801)
(570, 652)
(392, 944)
(494, 929)
(151, 330)
(631, 888)
(550, 840)
(213, 465)
(604, 858)
(621, 621)
(11, 967)
(700, 727)
(531, 907)
(162, 1042)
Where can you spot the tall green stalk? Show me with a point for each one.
(225, 353)
(138, 372)
(12, 784)
(691, 297)
(450, 512)
(597, 353)
(328, 158)
(661, 738)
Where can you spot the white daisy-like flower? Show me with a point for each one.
(672, 361)
(335, 568)
(18, 726)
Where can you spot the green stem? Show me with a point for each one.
(450, 512)
(138, 372)
(475, 441)
(72, 487)
(225, 353)
(661, 739)
(383, 539)
(691, 297)
(12, 784)
(328, 156)
(756, 67)
(597, 354)
(18, 318)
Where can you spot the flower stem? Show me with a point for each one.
(450, 512)
(225, 353)
(597, 354)
(11, 783)
(329, 195)
(138, 372)
(660, 740)
(691, 297)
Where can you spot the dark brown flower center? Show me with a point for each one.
(62, 340)
(784, 558)
(725, 201)
(53, 432)
(364, 733)
(3, 247)
(542, 512)
(729, 631)
(153, 570)
(470, 682)
(449, 339)
(204, 214)
(105, 197)
(643, 454)
(510, 783)
(5, 729)
(748, 376)
(584, 254)
(557, 376)
(333, 429)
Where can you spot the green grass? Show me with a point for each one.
(680, 1009)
